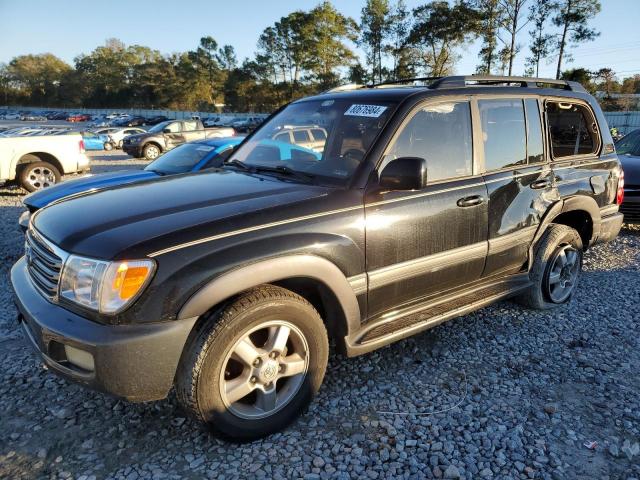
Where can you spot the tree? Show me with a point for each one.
(375, 27)
(36, 77)
(512, 23)
(488, 17)
(541, 42)
(325, 33)
(404, 56)
(573, 17)
(438, 30)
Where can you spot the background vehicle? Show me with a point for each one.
(136, 121)
(118, 134)
(628, 148)
(188, 157)
(167, 135)
(157, 119)
(39, 161)
(426, 203)
(247, 124)
(95, 141)
(312, 137)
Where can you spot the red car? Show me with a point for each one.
(79, 117)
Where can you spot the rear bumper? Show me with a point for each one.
(609, 227)
(135, 362)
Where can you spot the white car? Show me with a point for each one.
(118, 134)
(40, 161)
(12, 116)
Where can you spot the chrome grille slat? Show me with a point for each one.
(43, 264)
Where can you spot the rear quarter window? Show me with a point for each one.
(572, 129)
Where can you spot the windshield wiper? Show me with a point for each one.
(237, 163)
(284, 170)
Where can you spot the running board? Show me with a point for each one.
(417, 318)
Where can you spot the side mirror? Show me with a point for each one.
(404, 173)
(166, 130)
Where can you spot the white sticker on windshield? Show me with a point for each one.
(373, 111)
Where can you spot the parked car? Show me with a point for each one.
(33, 117)
(12, 116)
(118, 134)
(312, 137)
(39, 161)
(167, 135)
(78, 117)
(428, 202)
(95, 141)
(247, 124)
(628, 148)
(189, 157)
(155, 120)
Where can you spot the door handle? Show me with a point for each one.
(470, 201)
(538, 184)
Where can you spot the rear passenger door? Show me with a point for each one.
(423, 242)
(519, 180)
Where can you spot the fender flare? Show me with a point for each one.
(273, 270)
(569, 204)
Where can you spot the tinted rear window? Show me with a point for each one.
(570, 129)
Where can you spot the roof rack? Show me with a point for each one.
(460, 81)
(402, 81)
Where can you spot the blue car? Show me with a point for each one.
(96, 141)
(188, 157)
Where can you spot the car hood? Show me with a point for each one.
(139, 219)
(631, 167)
(88, 183)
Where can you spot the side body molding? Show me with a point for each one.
(273, 270)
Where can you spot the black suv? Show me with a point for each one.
(427, 202)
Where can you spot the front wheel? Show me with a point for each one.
(255, 365)
(108, 146)
(556, 268)
(151, 151)
(38, 175)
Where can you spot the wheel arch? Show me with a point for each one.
(152, 142)
(578, 212)
(316, 279)
(33, 157)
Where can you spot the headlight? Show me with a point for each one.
(107, 287)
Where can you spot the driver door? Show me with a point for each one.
(173, 135)
(420, 243)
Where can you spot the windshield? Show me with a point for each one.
(181, 159)
(629, 144)
(324, 138)
(159, 127)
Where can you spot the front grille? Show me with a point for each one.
(631, 212)
(43, 264)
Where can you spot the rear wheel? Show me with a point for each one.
(108, 146)
(556, 268)
(151, 151)
(254, 365)
(37, 175)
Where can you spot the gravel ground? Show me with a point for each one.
(502, 393)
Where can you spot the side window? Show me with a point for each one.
(300, 136)
(173, 127)
(629, 144)
(571, 128)
(535, 148)
(190, 126)
(319, 134)
(283, 137)
(441, 134)
(503, 133)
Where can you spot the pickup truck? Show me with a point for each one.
(40, 161)
(167, 135)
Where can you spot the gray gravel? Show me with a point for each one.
(502, 393)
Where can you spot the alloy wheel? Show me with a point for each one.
(264, 370)
(563, 274)
(41, 177)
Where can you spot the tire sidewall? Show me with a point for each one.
(24, 171)
(146, 148)
(209, 400)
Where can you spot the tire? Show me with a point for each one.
(37, 175)
(108, 146)
(120, 144)
(550, 288)
(151, 151)
(210, 365)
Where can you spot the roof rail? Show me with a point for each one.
(460, 81)
(402, 81)
(344, 88)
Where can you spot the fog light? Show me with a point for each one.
(79, 358)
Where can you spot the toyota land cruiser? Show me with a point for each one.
(428, 201)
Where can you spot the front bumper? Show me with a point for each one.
(133, 150)
(135, 362)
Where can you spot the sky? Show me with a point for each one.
(67, 28)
